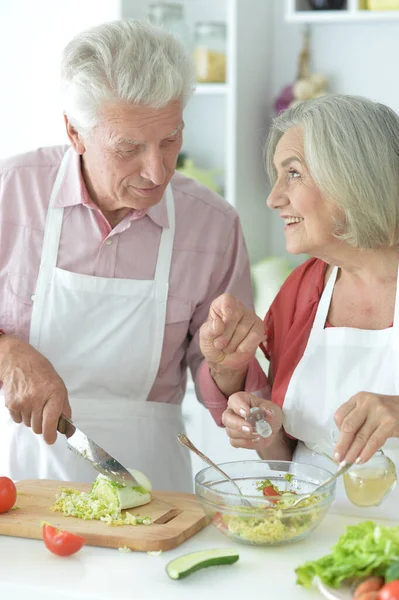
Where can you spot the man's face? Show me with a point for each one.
(131, 155)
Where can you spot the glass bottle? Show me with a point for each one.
(170, 15)
(327, 4)
(367, 484)
(210, 52)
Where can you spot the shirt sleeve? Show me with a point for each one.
(216, 402)
(232, 276)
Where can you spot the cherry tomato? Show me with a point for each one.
(60, 542)
(390, 591)
(8, 494)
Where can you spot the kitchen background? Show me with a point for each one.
(355, 49)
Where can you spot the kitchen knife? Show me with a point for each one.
(103, 462)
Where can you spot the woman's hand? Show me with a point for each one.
(228, 341)
(231, 335)
(240, 432)
(365, 422)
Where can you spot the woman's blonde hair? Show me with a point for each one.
(351, 147)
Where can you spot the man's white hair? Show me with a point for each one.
(351, 149)
(122, 61)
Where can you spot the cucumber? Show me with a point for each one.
(188, 563)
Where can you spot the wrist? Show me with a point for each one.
(228, 380)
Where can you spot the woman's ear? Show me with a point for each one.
(74, 137)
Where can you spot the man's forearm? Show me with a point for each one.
(282, 449)
(228, 381)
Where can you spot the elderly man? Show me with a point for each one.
(109, 263)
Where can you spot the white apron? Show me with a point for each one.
(337, 363)
(104, 337)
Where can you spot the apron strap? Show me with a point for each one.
(51, 239)
(322, 309)
(166, 244)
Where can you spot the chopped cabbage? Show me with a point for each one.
(105, 501)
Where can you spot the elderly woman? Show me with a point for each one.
(332, 332)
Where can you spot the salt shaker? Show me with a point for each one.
(256, 418)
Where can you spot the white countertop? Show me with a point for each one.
(29, 571)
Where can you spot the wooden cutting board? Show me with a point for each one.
(176, 517)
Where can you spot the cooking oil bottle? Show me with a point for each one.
(367, 484)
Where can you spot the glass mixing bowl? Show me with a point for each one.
(268, 521)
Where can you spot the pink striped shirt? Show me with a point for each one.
(209, 256)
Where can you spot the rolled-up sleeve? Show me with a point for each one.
(255, 382)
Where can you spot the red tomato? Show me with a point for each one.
(390, 591)
(8, 494)
(218, 521)
(61, 542)
(270, 491)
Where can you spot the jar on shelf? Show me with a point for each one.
(210, 52)
(170, 15)
(327, 4)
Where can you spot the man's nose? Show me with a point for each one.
(153, 168)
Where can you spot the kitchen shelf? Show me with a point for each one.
(298, 11)
(209, 89)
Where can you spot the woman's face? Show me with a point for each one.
(308, 218)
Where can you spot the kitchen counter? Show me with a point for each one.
(28, 571)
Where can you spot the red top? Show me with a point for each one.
(289, 321)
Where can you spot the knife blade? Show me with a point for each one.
(84, 447)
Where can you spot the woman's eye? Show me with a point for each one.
(293, 174)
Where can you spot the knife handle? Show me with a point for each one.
(65, 426)
(62, 424)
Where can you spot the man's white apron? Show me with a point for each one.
(104, 337)
(337, 363)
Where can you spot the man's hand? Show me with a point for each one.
(231, 335)
(365, 422)
(34, 393)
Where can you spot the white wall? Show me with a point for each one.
(32, 36)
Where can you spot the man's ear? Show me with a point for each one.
(74, 138)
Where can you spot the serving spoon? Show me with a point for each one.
(183, 439)
(343, 468)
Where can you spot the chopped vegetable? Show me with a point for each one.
(60, 542)
(365, 549)
(268, 488)
(277, 525)
(122, 496)
(8, 494)
(106, 500)
(189, 563)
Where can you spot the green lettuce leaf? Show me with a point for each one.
(364, 549)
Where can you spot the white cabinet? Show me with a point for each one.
(300, 11)
(226, 123)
